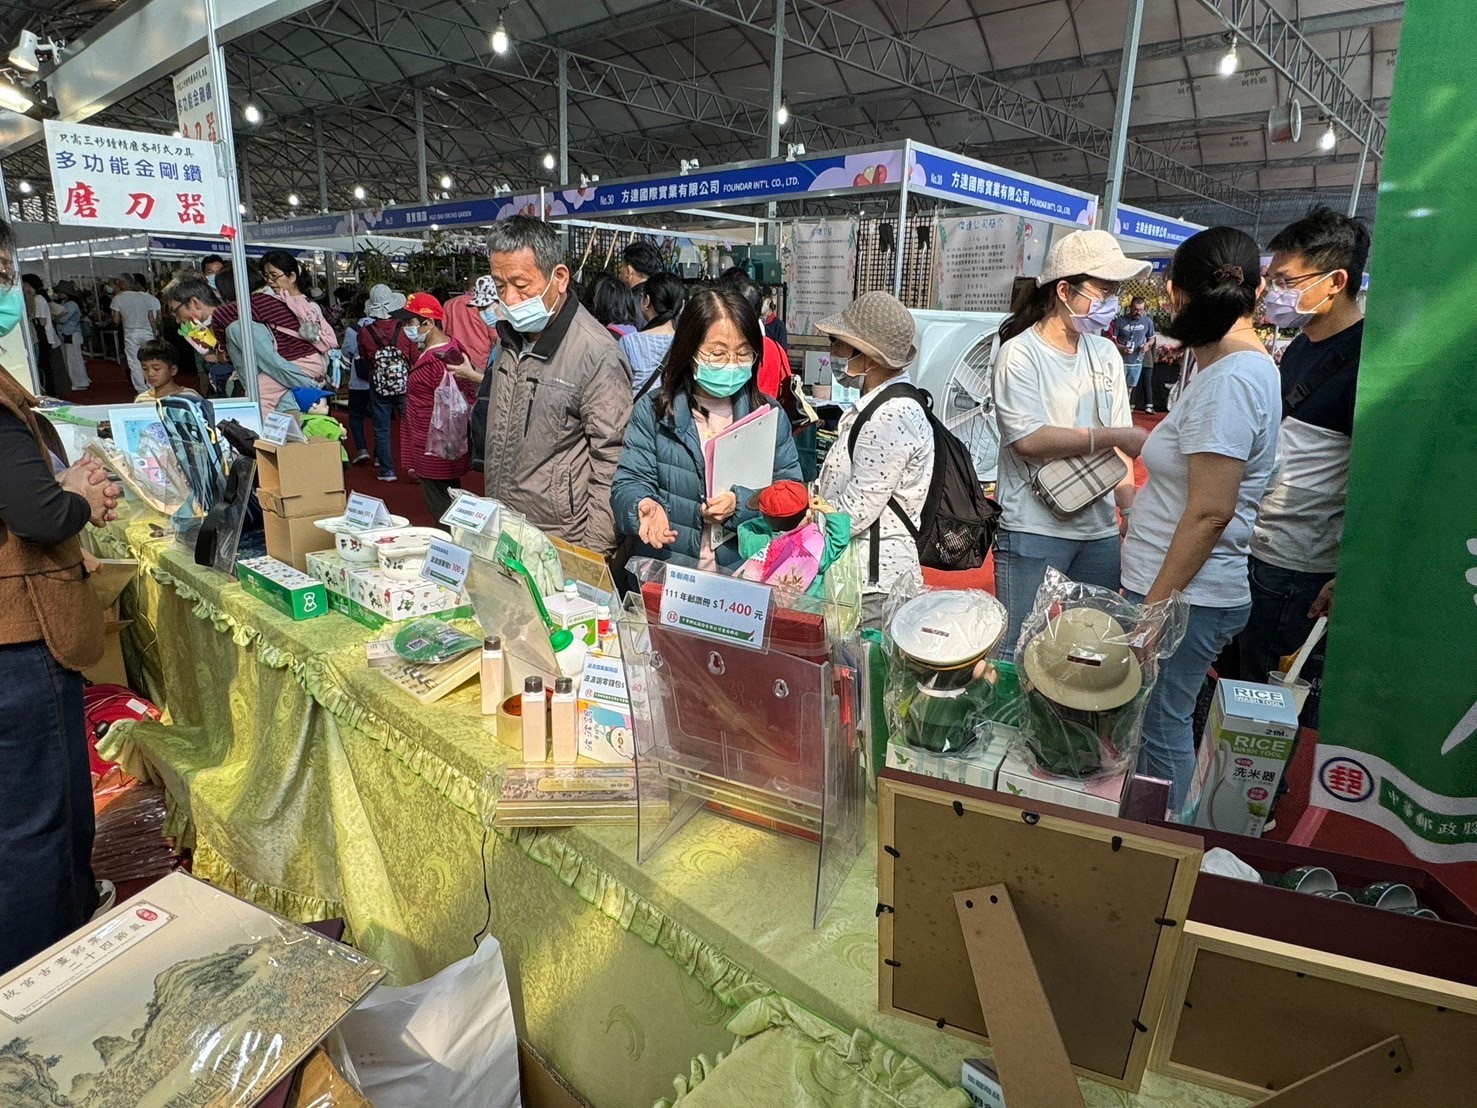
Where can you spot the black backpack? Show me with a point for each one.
(390, 375)
(959, 521)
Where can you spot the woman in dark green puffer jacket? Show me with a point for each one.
(710, 381)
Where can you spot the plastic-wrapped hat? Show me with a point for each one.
(947, 632)
(1082, 661)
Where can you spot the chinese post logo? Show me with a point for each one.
(1346, 779)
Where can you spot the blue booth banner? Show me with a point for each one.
(1145, 226)
(471, 212)
(947, 176)
(308, 227)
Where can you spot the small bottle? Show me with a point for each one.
(492, 675)
(535, 721)
(571, 592)
(602, 623)
(563, 722)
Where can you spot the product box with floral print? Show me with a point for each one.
(367, 596)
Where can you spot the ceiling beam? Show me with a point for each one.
(598, 30)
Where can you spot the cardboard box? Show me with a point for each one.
(291, 592)
(368, 597)
(1248, 740)
(110, 669)
(298, 469)
(1103, 796)
(291, 539)
(979, 766)
(310, 505)
(982, 1084)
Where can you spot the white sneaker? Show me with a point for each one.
(107, 896)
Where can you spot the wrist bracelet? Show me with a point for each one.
(1091, 441)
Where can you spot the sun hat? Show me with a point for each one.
(1082, 661)
(382, 301)
(878, 325)
(780, 500)
(948, 628)
(484, 295)
(425, 305)
(1095, 253)
(307, 397)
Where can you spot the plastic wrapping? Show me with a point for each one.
(155, 478)
(447, 435)
(1088, 660)
(130, 843)
(180, 995)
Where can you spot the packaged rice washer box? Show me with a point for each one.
(1248, 740)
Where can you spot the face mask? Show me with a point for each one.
(109, 289)
(413, 333)
(489, 315)
(839, 374)
(722, 380)
(1282, 307)
(529, 317)
(12, 309)
(1097, 318)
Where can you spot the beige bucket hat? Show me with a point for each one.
(1095, 253)
(878, 325)
(1082, 660)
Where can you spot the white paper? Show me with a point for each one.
(195, 102)
(715, 607)
(365, 512)
(282, 428)
(743, 455)
(977, 260)
(472, 513)
(447, 564)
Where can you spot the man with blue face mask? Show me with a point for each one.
(551, 414)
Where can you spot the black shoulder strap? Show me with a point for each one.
(874, 533)
(1293, 399)
(656, 375)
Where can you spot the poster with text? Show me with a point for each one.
(195, 102)
(103, 177)
(819, 258)
(975, 261)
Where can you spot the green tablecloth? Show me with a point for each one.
(313, 787)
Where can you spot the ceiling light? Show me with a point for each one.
(27, 53)
(435, 227)
(25, 188)
(500, 41)
(1229, 60)
(1329, 139)
(292, 200)
(783, 115)
(252, 114)
(359, 192)
(549, 161)
(241, 209)
(176, 134)
(446, 180)
(14, 98)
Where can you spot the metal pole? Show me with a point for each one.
(902, 222)
(776, 98)
(243, 160)
(1113, 188)
(1358, 182)
(217, 58)
(33, 363)
(420, 145)
(563, 117)
(322, 164)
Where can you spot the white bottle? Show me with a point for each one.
(493, 676)
(563, 722)
(535, 721)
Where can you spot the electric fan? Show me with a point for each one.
(955, 364)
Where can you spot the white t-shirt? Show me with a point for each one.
(1036, 386)
(1231, 408)
(134, 307)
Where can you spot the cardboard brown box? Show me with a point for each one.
(291, 539)
(298, 468)
(110, 670)
(311, 505)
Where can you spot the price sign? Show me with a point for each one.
(365, 512)
(447, 564)
(472, 513)
(282, 428)
(715, 607)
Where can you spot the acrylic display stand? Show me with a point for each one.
(767, 733)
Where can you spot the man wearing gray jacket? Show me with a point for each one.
(551, 416)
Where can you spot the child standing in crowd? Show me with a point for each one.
(438, 354)
(157, 359)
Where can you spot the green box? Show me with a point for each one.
(290, 591)
(344, 605)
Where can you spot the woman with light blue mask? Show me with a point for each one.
(1060, 393)
(659, 496)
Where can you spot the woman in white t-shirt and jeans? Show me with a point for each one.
(1209, 463)
(1060, 393)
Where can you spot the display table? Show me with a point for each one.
(308, 784)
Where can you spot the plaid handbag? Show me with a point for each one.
(1067, 485)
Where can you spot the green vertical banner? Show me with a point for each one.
(1399, 721)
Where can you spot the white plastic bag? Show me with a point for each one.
(448, 1040)
(447, 437)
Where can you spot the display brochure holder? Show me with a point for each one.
(765, 731)
(1068, 925)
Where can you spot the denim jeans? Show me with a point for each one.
(384, 408)
(1133, 371)
(46, 825)
(360, 401)
(1021, 562)
(1169, 735)
(1280, 599)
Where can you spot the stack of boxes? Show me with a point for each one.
(368, 596)
(298, 483)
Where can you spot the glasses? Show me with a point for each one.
(1293, 282)
(730, 356)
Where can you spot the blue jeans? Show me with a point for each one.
(1133, 371)
(1169, 733)
(385, 407)
(1021, 562)
(46, 825)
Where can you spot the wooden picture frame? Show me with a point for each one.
(1100, 901)
(1247, 1015)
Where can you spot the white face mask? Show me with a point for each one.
(1283, 307)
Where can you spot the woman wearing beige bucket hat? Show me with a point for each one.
(889, 469)
(1060, 393)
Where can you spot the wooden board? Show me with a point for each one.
(1246, 1015)
(1090, 893)
(1371, 1076)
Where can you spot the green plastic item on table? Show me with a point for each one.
(876, 697)
(1008, 707)
(943, 724)
(432, 640)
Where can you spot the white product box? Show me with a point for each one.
(1248, 740)
(982, 1084)
(373, 599)
(976, 766)
(605, 731)
(1103, 795)
(580, 616)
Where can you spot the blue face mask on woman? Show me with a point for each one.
(718, 379)
(489, 315)
(12, 309)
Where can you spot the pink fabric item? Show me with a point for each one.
(718, 419)
(464, 323)
(420, 403)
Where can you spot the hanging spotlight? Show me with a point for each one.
(293, 200)
(359, 192)
(28, 50)
(252, 114)
(1329, 139)
(549, 161)
(14, 98)
(687, 165)
(500, 40)
(446, 180)
(241, 209)
(1230, 61)
(783, 115)
(25, 188)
